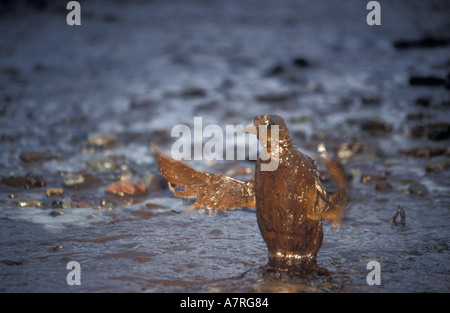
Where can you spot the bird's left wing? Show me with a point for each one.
(213, 191)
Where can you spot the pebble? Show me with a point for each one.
(141, 103)
(429, 81)
(10, 262)
(433, 131)
(438, 164)
(383, 186)
(426, 42)
(24, 181)
(369, 177)
(32, 156)
(55, 248)
(193, 92)
(276, 70)
(56, 213)
(347, 150)
(300, 62)
(102, 140)
(126, 188)
(371, 99)
(54, 192)
(418, 188)
(57, 204)
(101, 164)
(425, 152)
(376, 128)
(78, 180)
(32, 203)
(72, 179)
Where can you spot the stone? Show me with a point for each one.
(126, 188)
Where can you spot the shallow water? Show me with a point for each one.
(135, 70)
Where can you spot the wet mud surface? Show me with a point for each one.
(79, 107)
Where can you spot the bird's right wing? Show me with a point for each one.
(213, 191)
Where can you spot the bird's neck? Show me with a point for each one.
(277, 148)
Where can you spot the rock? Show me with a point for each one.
(433, 131)
(423, 101)
(425, 152)
(300, 62)
(142, 103)
(376, 128)
(10, 262)
(383, 186)
(72, 179)
(103, 140)
(371, 99)
(79, 204)
(369, 177)
(277, 69)
(126, 188)
(418, 116)
(347, 150)
(24, 181)
(418, 188)
(56, 213)
(438, 165)
(57, 204)
(193, 92)
(430, 81)
(79, 180)
(101, 164)
(32, 203)
(33, 156)
(54, 192)
(55, 248)
(426, 42)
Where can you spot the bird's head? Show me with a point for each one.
(265, 126)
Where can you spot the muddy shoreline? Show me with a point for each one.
(80, 105)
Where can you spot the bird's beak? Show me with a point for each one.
(250, 129)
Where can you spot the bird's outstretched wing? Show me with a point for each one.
(213, 191)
